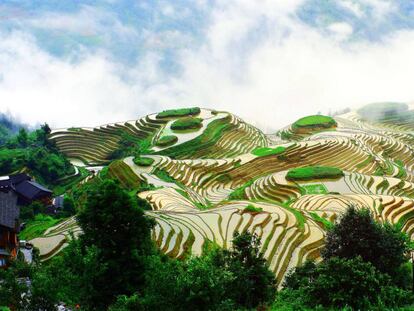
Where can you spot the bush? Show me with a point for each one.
(167, 140)
(143, 161)
(174, 113)
(187, 124)
(314, 172)
(315, 121)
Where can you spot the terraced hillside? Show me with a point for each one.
(213, 174)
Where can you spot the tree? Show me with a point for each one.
(13, 288)
(23, 138)
(254, 284)
(357, 234)
(6, 166)
(217, 280)
(121, 233)
(340, 282)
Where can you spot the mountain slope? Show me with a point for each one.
(295, 186)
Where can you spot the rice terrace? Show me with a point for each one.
(207, 174)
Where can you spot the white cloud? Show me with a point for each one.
(353, 6)
(291, 72)
(341, 30)
(87, 21)
(380, 8)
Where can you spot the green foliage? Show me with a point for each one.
(218, 280)
(22, 138)
(175, 113)
(112, 223)
(187, 124)
(143, 161)
(36, 227)
(207, 139)
(13, 287)
(121, 172)
(266, 151)
(364, 267)
(130, 145)
(254, 284)
(252, 209)
(339, 283)
(357, 234)
(314, 172)
(326, 223)
(315, 121)
(33, 151)
(69, 208)
(239, 193)
(166, 141)
(48, 166)
(164, 175)
(402, 172)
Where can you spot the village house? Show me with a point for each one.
(9, 225)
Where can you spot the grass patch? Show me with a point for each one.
(326, 223)
(198, 147)
(315, 121)
(70, 182)
(187, 124)
(239, 193)
(176, 113)
(124, 174)
(143, 161)
(298, 215)
(402, 172)
(266, 151)
(36, 227)
(314, 172)
(166, 141)
(163, 175)
(252, 209)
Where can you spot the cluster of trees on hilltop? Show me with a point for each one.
(33, 151)
(115, 266)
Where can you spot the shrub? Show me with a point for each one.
(315, 121)
(167, 140)
(314, 172)
(187, 124)
(174, 113)
(143, 161)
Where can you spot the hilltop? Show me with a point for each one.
(206, 174)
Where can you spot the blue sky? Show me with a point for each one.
(91, 62)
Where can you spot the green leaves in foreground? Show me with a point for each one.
(364, 267)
